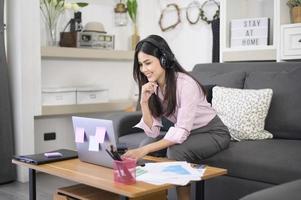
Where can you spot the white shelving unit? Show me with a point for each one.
(278, 13)
(70, 57)
(291, 42)
(84, 53)
(86, 108)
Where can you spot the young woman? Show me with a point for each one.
(166, 89)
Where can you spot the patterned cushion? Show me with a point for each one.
(243, 111)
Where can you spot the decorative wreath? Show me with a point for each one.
(189, 7)
(201, 12)
(176, 7)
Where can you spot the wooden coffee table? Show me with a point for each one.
(102, 178)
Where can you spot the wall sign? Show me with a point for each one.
(249, 32)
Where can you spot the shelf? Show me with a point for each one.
(84, 53)
(276, 10)
(86, 108)
(250, 54)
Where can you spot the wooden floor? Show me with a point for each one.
(46, 185)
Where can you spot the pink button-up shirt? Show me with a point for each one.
(192, 111)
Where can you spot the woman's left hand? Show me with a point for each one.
(136, 153)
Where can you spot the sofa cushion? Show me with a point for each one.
(273, 161)
(228, 79)
(290, 190)
(284, 116)
(243, 111)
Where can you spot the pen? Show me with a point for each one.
(115, 153)
(110, 154)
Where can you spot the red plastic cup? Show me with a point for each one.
(125, 171)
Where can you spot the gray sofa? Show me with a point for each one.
(252, 165)
(289, 191)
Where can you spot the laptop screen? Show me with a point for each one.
(93, 137)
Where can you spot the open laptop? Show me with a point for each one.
(100, 157)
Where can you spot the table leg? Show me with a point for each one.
(200, 190)
(32, 184)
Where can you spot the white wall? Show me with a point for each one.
(191, 45)
(24, 67)
(64, 133)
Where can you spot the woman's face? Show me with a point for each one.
(150, 66)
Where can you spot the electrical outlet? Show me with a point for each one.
(49, 136)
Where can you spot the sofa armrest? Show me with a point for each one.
(123, 122)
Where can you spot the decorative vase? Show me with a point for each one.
(51, 30)
(51, 38)
(135, 37)
(296, 14)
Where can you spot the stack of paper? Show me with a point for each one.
(176, 173)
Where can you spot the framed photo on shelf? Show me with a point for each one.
(249, 32)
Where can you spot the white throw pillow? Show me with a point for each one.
(243, 111)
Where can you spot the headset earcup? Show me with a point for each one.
(163, 62)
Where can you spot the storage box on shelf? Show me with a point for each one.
(88, 95)
(65, 101)
(278, 13)
(58, 96)
(291, 41)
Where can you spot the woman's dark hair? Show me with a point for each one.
(147, 46)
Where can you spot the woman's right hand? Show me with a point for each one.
(147, 90)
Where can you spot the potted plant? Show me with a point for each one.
(295, 6)
(132, 8)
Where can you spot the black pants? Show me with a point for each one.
(202, 143)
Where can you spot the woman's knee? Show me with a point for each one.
(224, 141)
(176, 152)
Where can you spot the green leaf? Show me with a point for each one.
(132, 9)
(82, 4)
(294, 3)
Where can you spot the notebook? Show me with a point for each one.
(42, 159)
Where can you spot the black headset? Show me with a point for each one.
(166, 59)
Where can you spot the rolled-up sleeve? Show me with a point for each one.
(188, 101)
(153, 131)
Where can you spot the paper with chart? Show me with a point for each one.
(176, 173)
